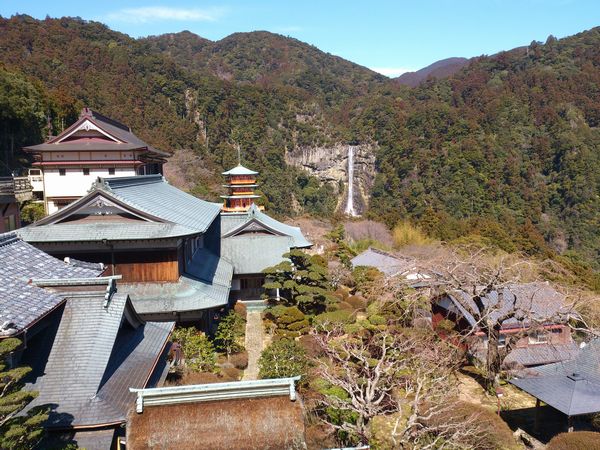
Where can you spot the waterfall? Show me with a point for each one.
(350, 201)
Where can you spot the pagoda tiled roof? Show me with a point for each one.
(240, 170)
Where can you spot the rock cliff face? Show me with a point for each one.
(330, 165)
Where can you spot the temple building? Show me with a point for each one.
(94, 146)
(83, 340)
(250, 239)
(241, 183)
(163, 242)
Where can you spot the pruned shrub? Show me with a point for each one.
(289, 321)
(357, 302)
(230, 333)
(283, 358)
(344, 305)
(341, 316)
(310, 346)
(239, 360)
(231, 373)
(579, 440)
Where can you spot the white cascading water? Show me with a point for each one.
(350, 201)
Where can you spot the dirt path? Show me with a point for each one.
(255, 337)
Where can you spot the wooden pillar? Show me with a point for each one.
(536, 423)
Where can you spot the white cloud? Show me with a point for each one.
(391, 71)
(147, 14)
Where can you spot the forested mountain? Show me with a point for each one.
(439, 69)
(269, 60)
(506, 148)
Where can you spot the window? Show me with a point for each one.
(538, 337)
(252, 283)
(86, 171)
(62, 172)
(111, 171)
(10, 223)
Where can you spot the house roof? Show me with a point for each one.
(534, 355)
(251, 254)
(274, 423)
(22, 303)
(385, 262)
(122, 133)
(536, 301)
(237, 223)
(572, 387)
(152, 194)
(100, 350)
(159, 211)
(93, 232)
(240, 170)
(204, 285)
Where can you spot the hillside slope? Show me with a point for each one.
(439, 69)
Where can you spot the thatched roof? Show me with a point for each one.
(265, 423)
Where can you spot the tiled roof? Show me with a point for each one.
(205, 284)
(119, 131)
(97, 354)
(232, 224)
(533, 302)
(22, 303)
(82, 232)
(534, 355)
(152, 194)
(240, 170)
(572, 387)
(251, 254)
(386, 263)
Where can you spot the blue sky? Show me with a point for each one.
(388, 36)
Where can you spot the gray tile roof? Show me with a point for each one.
(152, 194)
(534, 355)
(97, 354)
(251, 254)
(386, 263)
(84, 232)
(533, 302)
(232, 224)
(572, 387)
(205, 285)
(129, 141)
(22, 303)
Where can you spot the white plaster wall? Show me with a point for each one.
(74, 183)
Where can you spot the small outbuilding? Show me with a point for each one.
(571, 387)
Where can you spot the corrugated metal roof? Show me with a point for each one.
(83, 232)
(22, 303)
(152, 194)
(572, 387)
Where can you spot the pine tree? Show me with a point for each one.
(302, 281)
(17, 431)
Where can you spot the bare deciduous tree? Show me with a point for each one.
(407, 376)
